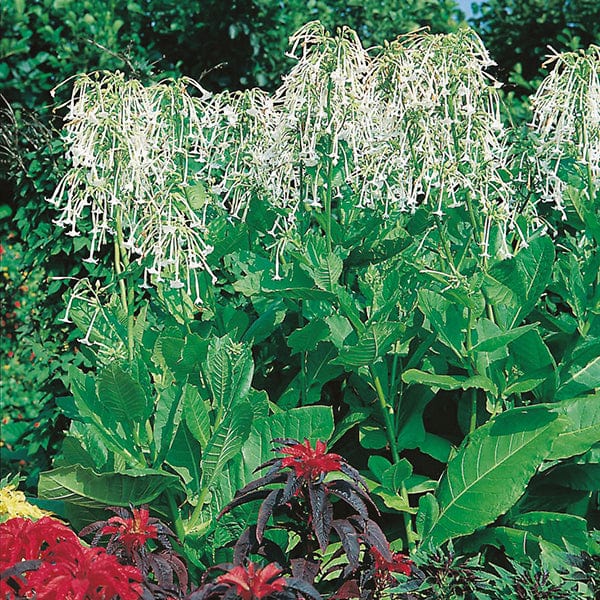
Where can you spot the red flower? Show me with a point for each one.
(399, 564)
(254, 583)
(68, 571)
(10, 354)
(22, 539)
(132, 532)
(310, 462)
(17, 304)
(81, 573)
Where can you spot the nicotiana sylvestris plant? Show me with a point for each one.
(377, 243)
(417, 123)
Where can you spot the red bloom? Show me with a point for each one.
(68, 571)
(399, 564)
(84, 574)
(254, 583)
(309, 462)
(132, 532)
(22, 539)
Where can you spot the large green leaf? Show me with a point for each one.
(306, 338)
(582, 429)
(555, 527)
(535, 360)
(229, 370)
(225, 442)
(446, 319)
(311, 422)
(196, 414)
(581, 373)
(184, 458)
(297, 285)
(83, 486)
(376, 340)
(515, 285)
(492, 470)
(318, 369)
(448, 382)
(123, 397)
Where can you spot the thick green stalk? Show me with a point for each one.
(328, 195)
(388, 417)
(126, 291)
(193, 520)
(176, 516)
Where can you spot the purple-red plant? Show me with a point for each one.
(252, 582)
(129, 533)
(45, 560)
(301, 487)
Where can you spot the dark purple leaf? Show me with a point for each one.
(347, 492)
(303, 587)
(349, 589)
(275, 476)
(322, 514)
(305, 569)
(292, 485)
(350, 542)
(271, 502)
(239, 500)
(351, 472)
(373, 536)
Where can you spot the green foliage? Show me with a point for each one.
(363, 257)
(517, 34)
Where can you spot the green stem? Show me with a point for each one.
(126, 291)
(193, 520)
(388, 417)
(328, 195)
(387, 412)
(176, 516)
(445, 245)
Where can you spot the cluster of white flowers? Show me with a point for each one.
(566, 123)
(129, 145)
(416, 123)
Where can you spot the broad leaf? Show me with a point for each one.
(515, 285)
(82, 486)
(501, 340)
(196, 414)
(372, 344)
(306, 338)
(123, 397)
(229, 370)
(297, 285)
(582, 428)
(225, 442)
(492, 470)
(311, 422)
(581, 373)
(184, 458)
(555, 527)
(448, 382)
(446, 319)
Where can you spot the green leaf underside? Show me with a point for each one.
(84, 487)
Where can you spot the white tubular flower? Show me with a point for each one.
(566, 123)
(130, 147)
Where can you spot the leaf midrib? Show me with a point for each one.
(485, 473)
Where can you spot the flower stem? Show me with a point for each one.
(387, 412)
(126, 291)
